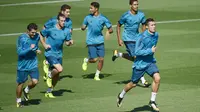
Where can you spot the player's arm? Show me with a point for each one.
(143, 28)
(21, 50)
(43, 35)
(68, 40)
(143, 21)
(121, 21)
(85, 23)
(141, 51)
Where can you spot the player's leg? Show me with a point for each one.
(34, 74)
(154, 72)
(92, 57)
(56, 69)
(46, 69)
(136, 75)
(22, 76)
(100, 53)
(128, 55)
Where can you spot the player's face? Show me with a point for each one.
(134, 6)
(66, 13)
(32, 33)
(93, 9)
(152, 26)
(61, 21)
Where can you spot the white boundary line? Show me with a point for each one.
(159, 22)
(34, 3)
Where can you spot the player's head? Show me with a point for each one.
(151, 25)
(94, 7)
(32, 29)
(61, 19)
(65, 9)
(134, 5)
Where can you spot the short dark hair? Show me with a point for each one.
(95, 4)
(60, 15)
(149, 20)
(131, 1)
(32, 26)
(64, 7)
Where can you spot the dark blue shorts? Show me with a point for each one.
(150, 70)
(53, 60)
(95, 51)
(130, 47)
(22, 76)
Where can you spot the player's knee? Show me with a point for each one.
(60, 69)
(35, 81)
(101, 59)
(157, 78)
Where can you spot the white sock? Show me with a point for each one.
(26, 89)
(122, 94)
(19, 100)
(143, 80)
(86, 60)
(153, 96)
(49, 74)
(120, 54)
(97, 73)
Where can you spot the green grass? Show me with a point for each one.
(177, 56)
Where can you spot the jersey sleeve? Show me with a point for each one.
(68, 36)
(143, 18)
(45, 32)
(21, 49)
(122, 19)
(107, 23)
(85, 22)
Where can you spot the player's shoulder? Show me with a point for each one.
(127, 13)
(141, 13)
(156, 34)
(23, 36)
(89, 16)
(68, 20)
(103, 16)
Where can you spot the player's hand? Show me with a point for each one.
(70, 42)
(120, 42)
(32, 46)
(153, 49)
(47, 46)
(38, 51)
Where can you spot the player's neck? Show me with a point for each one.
(58, 26)
(133, 12)
(151, 33)
(96, 13)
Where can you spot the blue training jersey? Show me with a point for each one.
(55, 38)
(131, 24)
(53, 21)
(27, 58)
(143, 49)
(95, 26)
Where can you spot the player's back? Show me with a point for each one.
(27, 58)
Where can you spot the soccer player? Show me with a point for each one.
(95, 39)
(64, 9)
(53, 44)
(131, 21)
(27, 49)
(145, 63)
